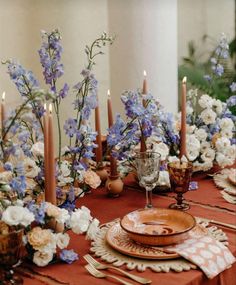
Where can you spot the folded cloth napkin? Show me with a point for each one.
(207, 253)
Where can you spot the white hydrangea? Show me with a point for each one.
(162, 149)
(205, 101)
(193, 147)
(208, 116)
(200, 134)
(223, 160)
(226, 133)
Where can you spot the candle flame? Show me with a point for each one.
(184, 79)
(50, 108)
(108, 93)
(144, 73)
(45, 107)
(3, 96)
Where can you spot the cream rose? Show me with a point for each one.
(62, 240)
(42, 258)
(52, 210)
(92, 179)
(162, 149)
(39, 238)
(31, 169)
(37, 149)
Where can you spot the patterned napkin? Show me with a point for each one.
(207, 253)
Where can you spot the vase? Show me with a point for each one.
(114, 186)
(11, 245)
(102, 173)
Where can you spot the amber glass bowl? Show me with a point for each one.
(158, 226)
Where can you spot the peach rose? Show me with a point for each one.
(52, 211)
(39, 238)
(92, 179)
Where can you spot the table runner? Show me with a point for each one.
(107, 209)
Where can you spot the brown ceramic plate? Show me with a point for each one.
(157, 226)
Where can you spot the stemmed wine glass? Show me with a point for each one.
(147, 165)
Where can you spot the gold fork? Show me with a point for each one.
(99, 265)
(93, 271)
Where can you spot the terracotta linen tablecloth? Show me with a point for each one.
(107, 209)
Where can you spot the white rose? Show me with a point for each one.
(42, 258)
(205, 101)
(217, 106)
(65, 168)
(208, 116)
(208, 155)
(230, 151)
(193, 147)
(223, 160)
(222, 143)
(93, 229)
(37, 149)
(226, 123)
(17, 215)
(63, 216)
(80, 220)
(162, 149)
(31, 169)
(227, 133)
(62, 240)
(200, 134)
(204, 146)
(197, 166)
(190, 129)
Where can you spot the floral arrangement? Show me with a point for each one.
(22, 134)
(45, 227)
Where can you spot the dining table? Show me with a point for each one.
(205, 202)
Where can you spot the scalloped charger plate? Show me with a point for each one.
(222, 180)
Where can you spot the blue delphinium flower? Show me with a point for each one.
(18, 184)
(233, 86)
(68, 256)
(64, 91)
(38, 211)
(70, 127)
(8, 166)
(23, 79)
(231, 101)
(50, 56)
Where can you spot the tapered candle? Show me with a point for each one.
(51, 160)
(3, 112)
(46, 169)
(113, 169)
(183, 119)
(145, 90)
(98, 150)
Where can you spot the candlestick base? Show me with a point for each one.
(114, 186)
(102, 173)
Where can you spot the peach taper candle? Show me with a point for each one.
(45, 131)
(98, 150)
(183, 118)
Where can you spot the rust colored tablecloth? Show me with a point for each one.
(107, 209)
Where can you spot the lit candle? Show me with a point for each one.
(145, 90)
(46, 168)
(3, 111)
(113, 167)
(51, 161)
(183, 119)
(98, 150)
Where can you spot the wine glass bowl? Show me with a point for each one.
(147, 165)
(180, 176)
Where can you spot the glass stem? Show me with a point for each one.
(148, 198)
